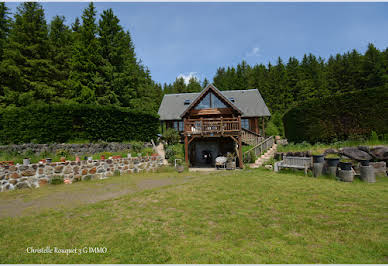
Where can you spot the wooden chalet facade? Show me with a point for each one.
(215, 122)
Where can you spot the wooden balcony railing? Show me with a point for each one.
(215, 126)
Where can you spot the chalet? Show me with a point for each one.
(214, 122)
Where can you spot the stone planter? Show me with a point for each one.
(332, 162)
(49, 160)
(318, 158)
(317, 169)
(346, 166)
(346, 175)
(364, 162)
(230, 165)
(180, 168)
(26, 161)
(367, 174)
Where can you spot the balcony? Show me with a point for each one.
(212, 126)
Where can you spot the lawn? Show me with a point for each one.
(249, 216)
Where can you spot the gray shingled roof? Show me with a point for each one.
(249, 102)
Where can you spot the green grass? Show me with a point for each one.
(251, 216)
(320, 147)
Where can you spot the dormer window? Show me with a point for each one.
(187, 102)
(231, 99)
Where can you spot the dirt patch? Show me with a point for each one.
(70, 199)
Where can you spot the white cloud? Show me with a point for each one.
(187, 77)
(254, 52)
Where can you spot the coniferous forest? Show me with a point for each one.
(92, 60)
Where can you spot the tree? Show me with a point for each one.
(194, 85)
(60, 40)
(86, 82)
(205, 83)
(5, 24)
(26, 64)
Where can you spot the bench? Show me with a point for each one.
(294, 162)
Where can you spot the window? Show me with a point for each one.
(178, 125)
(245, 123)
(210, 101)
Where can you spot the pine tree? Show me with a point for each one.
(26, 64)
(205, 83)
(86, 82)
(5, 24)
(60, 39)
(193, 85)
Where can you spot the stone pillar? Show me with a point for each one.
(346, 175)
(317, 169)
(331, 171)
(367, 174)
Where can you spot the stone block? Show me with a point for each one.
(29, 172)
(58, 169)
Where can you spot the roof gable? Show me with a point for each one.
(210, 88)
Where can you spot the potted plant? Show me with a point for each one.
(26, 161)
(63, 159)
(318, 157)
(179, 165)
(230, 161)
(346, 164)
(103, 157)
(332, 160)
(364, 162)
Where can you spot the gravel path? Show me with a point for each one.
(20, 206)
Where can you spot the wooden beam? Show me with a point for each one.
(192, 138)
(186, 150)
(240, 152)
(235, 140)
(263, 131)
(257, 130)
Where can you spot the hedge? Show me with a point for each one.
(338, 117)
(61, 123)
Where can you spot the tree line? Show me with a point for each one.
(90, 62)
(284, 85)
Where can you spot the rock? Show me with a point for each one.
(40, 171)
(43, 181)
(58, 169)
(13, 181)
(330, 151)
(355, 154)
(379, 153)
(84, 171)
(68, 170)
(268, 167)
(12, 168)
(92, 171)
(364, 148)
(15, 175)
(21, 185)
(380, 168)
(28, 172)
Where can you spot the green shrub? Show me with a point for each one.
(350, 115)
(147, 151)
(175, 152)
(171, 136)
(136, 146)
(61, 123)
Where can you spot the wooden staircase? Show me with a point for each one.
(250, 137)
(265, 150)
(265, 157)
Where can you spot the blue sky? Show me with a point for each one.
(175, 39)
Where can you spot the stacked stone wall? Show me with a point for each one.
(79, 149)
(34, 175)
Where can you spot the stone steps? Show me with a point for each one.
(265, 157)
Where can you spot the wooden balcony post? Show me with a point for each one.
(222, 126)
(186, 150)
(240, 159)
(262, 119)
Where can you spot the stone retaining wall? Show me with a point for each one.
(79, 149)
(34, 175)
